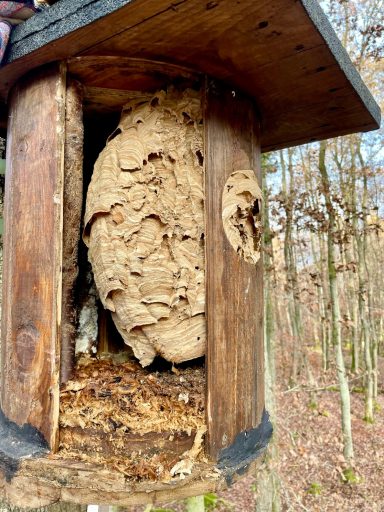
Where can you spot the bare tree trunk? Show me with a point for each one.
(363, 306)
(335, 313)
(268, 482)
(355, 364)
(290, 265)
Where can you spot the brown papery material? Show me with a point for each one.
(242, 214)
(144, 226)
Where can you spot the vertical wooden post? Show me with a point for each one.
(234, 289)
(32, 251)
(72, 209)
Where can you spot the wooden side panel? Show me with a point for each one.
(32, 251)
(235, 392)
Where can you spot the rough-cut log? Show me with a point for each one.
(72, 206)
(144, 225)
(32, 251)
(235, 393)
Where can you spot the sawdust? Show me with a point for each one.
(118, 401)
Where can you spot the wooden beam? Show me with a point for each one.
(72, 209)
(234, 289)
(32, 252)
(42, 481)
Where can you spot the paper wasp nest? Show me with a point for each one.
(144, 226)
(241, 214)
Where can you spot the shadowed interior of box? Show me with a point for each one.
(147, 422)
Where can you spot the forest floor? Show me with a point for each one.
(310, 461)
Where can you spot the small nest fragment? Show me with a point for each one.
(241, 204)
(139, 422)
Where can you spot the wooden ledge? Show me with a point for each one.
(42, 482)
(30, 479)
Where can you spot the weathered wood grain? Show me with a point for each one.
(278, 52)
(72, 208)
(93, 441)
(234, 289)
(75, 42)
(110, 82)
(41, 482)
(32, 251)
(119, 73)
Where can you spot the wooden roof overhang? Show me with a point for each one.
(283, 53)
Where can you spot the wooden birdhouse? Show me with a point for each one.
(132, 324)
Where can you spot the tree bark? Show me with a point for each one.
(335, 312)
(267, 480)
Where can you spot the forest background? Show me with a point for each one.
(324, 310)
(324, 291)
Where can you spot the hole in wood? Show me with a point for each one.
(263, 24)
(142, 300)
(211, 5)
(241, 214)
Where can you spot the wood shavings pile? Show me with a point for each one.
(147, 425)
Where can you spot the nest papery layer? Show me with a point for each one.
(241, 214)
(144, 226)
(118, 403)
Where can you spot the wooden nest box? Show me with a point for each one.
(132, 330)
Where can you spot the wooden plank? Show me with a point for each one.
(32, 252)
(91, 441)
(110, 82)
(267, 49)
(72, 210)
(82, 36)
(234, 289)
(41, 482)
(118, 73)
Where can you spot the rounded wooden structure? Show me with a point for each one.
(265, 75)
(57, 113)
